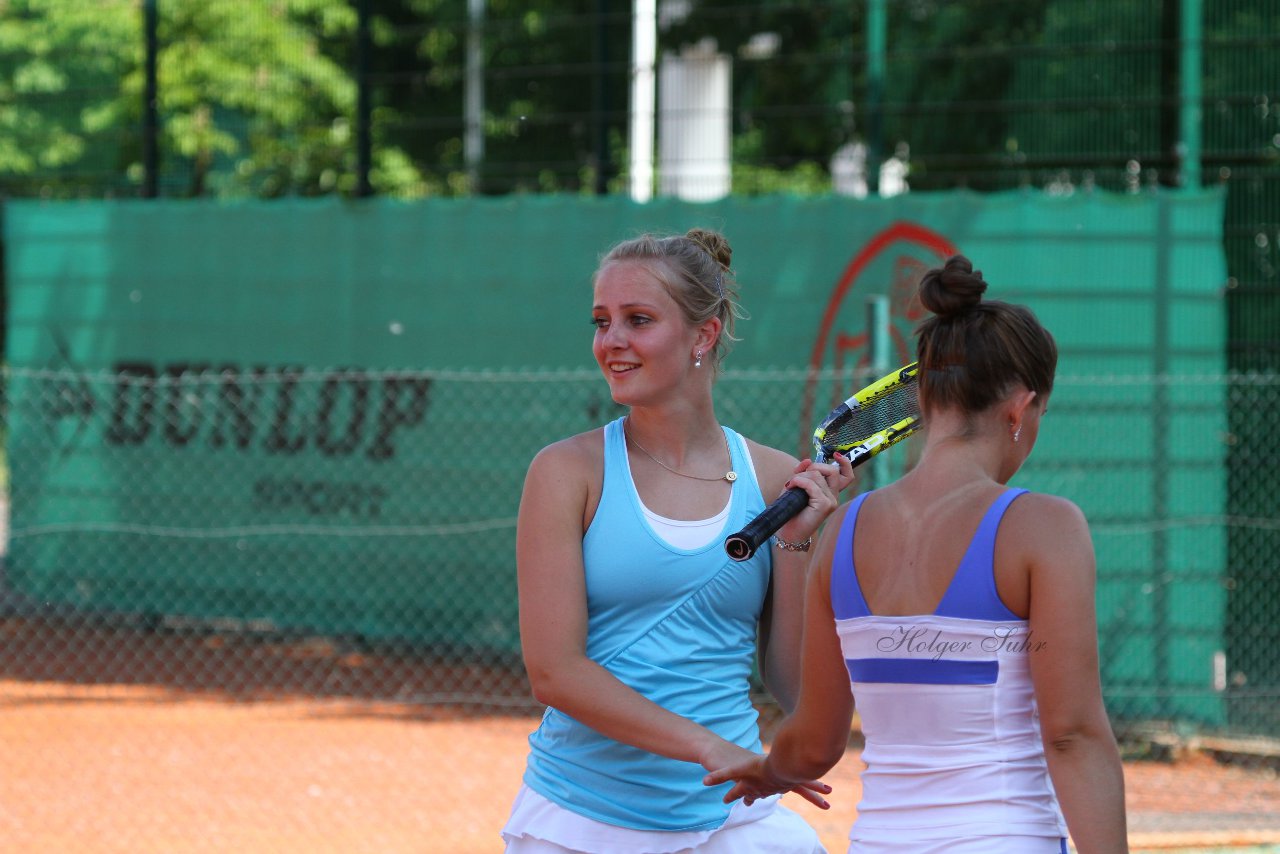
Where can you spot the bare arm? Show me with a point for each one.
(1080, 748)
(813, 738)
(782, 628)
(553, 621)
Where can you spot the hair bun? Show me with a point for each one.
(715, 243)
(953, 288)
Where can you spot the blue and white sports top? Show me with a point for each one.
(952, 733)
(678, 626)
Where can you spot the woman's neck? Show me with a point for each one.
(959, 452)
(679, 431)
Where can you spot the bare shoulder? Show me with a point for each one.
(773, 467)
(573, 462)
(831, 528)
(1049, 531)
(1044, 513)
(582, 448)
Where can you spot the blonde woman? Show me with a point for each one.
(638, 632)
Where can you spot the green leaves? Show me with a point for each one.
(248, 96)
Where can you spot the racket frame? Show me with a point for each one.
(745, 543)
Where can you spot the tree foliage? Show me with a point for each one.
(555, 75)
(258, 97)
(61, 63)
(251, 101)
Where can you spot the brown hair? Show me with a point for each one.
(972, 352)
(695, 270)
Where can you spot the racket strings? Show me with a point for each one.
(855, 426)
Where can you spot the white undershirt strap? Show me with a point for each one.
(686, 534)
(695, 534)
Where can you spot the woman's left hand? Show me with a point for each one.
(752, 780)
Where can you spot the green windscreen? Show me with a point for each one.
(316, 416)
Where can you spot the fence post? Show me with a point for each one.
(600, 99)
(877, 39)
(364, 130)
(150, 119)
(473, 96)
(644, 48)
(1189, 110)
(1161, 570)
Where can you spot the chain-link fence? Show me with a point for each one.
(419, 98)
(431, 97)
(172, 553)
(164, 548)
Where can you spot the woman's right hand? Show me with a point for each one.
(823, 482)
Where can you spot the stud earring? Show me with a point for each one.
(697, 359)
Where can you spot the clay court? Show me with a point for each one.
(117, 739)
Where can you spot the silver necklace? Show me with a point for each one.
(730, 475)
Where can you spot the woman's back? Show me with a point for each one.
(964, 619)
(941, 680)
(915, 536)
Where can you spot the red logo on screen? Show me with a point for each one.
(891, 263)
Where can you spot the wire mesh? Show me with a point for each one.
(130, 582)
(154, 582)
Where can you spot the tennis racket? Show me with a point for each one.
(877, 417)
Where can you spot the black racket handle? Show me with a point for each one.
(743, 544)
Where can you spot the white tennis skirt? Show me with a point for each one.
(970, 845)
(539, 826)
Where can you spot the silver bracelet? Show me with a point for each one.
(793, 547)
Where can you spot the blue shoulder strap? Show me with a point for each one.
(972, 594)
(847, 601)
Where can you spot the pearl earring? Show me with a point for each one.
(697, 359)
(1017, 434)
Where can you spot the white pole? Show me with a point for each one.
(644, 51)
(473, 94)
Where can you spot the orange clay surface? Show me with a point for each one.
(139, 758)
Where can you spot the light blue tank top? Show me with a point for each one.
(679, 627)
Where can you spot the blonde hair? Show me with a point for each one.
(695, 268)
